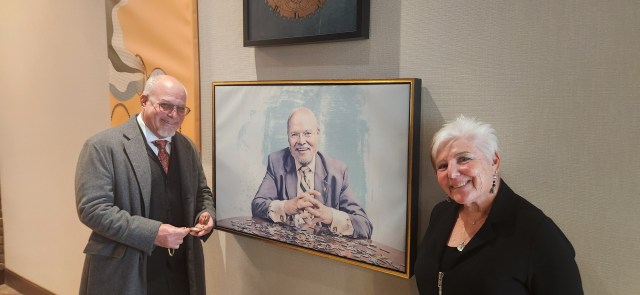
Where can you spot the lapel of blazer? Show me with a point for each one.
(320, 179)
(136, 150)
(290, 176)
(182, 149)
(443, 230)
(501, 214)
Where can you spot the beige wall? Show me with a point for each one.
(53, 75)
(558, 79)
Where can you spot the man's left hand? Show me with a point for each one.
(204, 221)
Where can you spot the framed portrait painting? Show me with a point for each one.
(325, 167)
(276, 22)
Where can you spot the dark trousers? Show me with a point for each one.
(167, 275)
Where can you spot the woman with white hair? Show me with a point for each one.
(486, 239)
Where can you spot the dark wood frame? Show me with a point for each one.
(222, 160)
(361, 32)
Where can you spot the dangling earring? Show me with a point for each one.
(493, 186)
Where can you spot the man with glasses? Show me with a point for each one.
(304, 187)
(141, 189)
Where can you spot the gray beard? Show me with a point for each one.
(165, 134)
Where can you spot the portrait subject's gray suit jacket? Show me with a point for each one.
(113, 191)
(331, 180)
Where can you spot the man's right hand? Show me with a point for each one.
(170, 237)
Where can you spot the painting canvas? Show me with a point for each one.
(365, 140)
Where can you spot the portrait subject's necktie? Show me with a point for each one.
(305, 185)
(163, 155)
(305, 182)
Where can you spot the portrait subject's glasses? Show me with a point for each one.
(168, 108)
(306, 135)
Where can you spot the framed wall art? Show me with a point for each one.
(276, 22)
(325, 167)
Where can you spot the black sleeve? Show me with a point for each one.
(553, 266)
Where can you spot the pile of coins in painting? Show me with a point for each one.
(323, 240)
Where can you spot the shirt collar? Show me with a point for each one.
(311, 165)
(148, 134)
(150, 137)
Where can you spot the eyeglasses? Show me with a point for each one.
(307, 134)
(168, 108)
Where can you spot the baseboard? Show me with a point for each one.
(23, 285)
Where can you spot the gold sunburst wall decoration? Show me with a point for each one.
(295, 9)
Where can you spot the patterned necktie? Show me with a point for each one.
(163, 155)
(305, 183)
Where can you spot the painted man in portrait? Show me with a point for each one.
(304, 187)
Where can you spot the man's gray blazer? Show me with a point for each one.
(113, 191)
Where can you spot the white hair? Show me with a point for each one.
(480, 133)
(305, 110)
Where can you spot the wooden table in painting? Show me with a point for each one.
(321, 240)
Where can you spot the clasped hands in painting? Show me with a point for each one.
(309, 208)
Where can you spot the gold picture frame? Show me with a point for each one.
(371, 126)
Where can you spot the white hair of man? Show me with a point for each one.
(153, 80)
(305, 110)
(481, 134)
